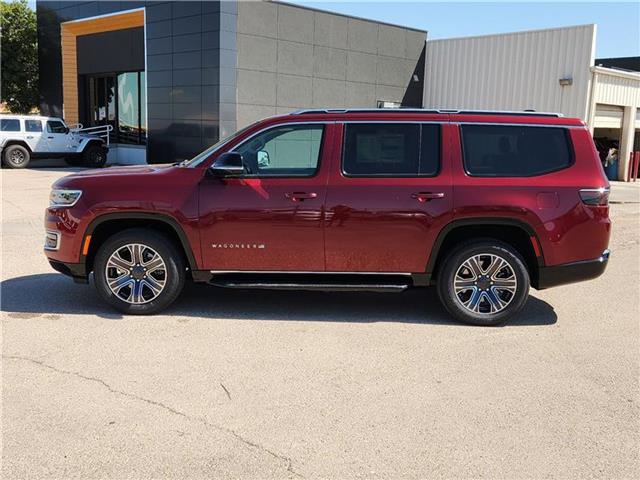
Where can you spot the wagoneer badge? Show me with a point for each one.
(250, 246)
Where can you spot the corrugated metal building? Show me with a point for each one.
(544, 70)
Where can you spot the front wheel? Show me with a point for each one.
(483, 283)
(94, 156)
(139, 272)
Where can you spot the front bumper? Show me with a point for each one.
(572, 272)
(77, 271)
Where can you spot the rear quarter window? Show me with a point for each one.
(10, 125)
(514, 151)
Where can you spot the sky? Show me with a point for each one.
(618, 33)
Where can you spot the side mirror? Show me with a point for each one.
(228, 164)
(263, 159)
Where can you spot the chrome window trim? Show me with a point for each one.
(511, 124)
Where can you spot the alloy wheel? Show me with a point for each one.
(485, 284)
(17, 157)
(136, 273)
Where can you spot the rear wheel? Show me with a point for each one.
(94, 156)
(139, 272)
(16, 156)
(483, 283)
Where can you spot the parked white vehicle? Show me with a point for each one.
(26, 137)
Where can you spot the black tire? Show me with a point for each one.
(174, 271)
(94, 156)
(16, 156)
(484, 316)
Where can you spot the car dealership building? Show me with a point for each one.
(182, 74)
(174, 77)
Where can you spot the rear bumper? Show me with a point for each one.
(572, 272)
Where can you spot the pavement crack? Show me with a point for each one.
(286, 460)
(225, 390)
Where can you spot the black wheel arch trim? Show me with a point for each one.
(12, 142)
(170, 221)
(475, 221)
(95, 142)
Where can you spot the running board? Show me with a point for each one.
(317, 282)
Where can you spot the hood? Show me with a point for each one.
(115, 175)
(128, 170)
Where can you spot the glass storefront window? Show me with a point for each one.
(128, 108)
(119, 100)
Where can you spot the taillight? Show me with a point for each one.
(595, 196)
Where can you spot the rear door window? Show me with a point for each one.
(391, 150)
(514, 151)
(10, 125)
(33, 125)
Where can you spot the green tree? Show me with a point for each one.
(19, 62)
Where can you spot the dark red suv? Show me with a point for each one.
(480, 204)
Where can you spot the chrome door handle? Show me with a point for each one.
(300, 196)
(29, 137)
(426, 196)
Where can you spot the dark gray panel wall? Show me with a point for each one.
(183, 40)
(117, 51)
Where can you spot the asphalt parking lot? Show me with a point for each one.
(248, 384)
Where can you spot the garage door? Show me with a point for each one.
(608, 116)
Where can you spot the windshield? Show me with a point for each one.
(202, 156)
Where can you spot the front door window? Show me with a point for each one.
(285, 151)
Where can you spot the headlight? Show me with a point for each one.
(64, 198)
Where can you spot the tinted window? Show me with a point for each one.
(10, 125)
(33, 125)
(289, 150)
(513, 151)
(55, 126)
(374, 149)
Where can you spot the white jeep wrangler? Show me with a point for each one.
(23, 137)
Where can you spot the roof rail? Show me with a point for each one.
(426, 110)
